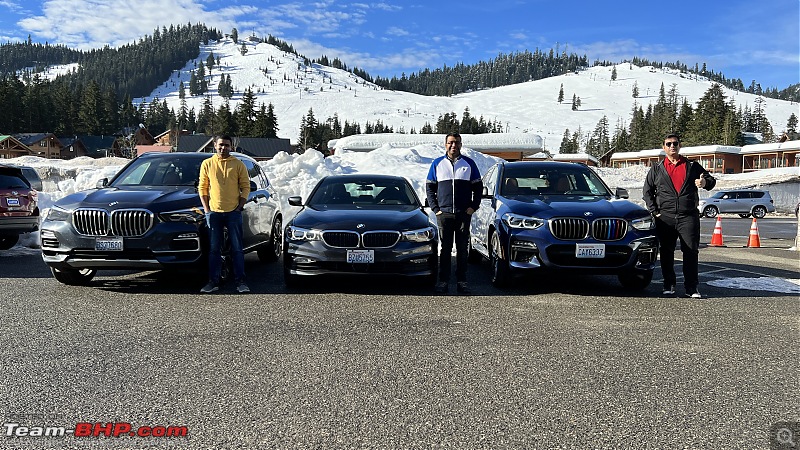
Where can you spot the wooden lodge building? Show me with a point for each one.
(722, 158)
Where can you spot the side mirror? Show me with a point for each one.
(101, 183)
(295, 200)
(621, 193)
(485, 193)
(253, 186)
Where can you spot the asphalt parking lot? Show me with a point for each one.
(561, 362)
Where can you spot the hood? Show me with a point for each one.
(154, 198)
(383, 218)
(559, 206)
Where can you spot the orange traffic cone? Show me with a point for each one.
(754, 241)
(716, 238)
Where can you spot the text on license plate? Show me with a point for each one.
(590, 250)
(12, 201)
(360, 256)
(108, 244)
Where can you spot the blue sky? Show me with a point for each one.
(742, 39)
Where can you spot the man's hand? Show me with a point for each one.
(470, 211)
(700, 182)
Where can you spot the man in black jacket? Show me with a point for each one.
(670, 192)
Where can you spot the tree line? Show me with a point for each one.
(715, 119)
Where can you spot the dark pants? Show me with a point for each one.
(453, 227)
(687, 229)
(233, 222)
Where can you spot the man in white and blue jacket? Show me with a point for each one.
(454, 189)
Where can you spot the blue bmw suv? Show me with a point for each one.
(543, 215)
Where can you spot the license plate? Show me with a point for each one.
(360, 256)
(590, 250)
(108, 244)
(12, 201)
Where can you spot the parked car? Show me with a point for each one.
(740, 201)
(149, 217)
(19, 206)
(31, 176)
(557, 216)
(362, 225)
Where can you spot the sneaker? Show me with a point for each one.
(209, 288)
(242, 288)
(463, 288)
(694, 294)
(441, 287)
(668, 290)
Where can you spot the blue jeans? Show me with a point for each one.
(233, 222)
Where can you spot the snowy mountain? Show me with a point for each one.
(293, 89)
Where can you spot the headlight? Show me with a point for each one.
(57, 214)
(421, 235)
(191, 215)
(303, 234)
(645, 223)
(518, 221)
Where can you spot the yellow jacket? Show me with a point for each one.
(223, 181)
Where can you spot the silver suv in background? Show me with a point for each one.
(744, 202)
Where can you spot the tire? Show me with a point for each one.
(272, 251)
(500, 271)
(744, 216)
(635, 281)
(8, 240)
(710, 212)
(759, 212)
(73, 277)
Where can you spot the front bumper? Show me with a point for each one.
(166, 245)
(527, 251)
(404, 259)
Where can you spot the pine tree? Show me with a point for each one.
(635, 90)
(614, 73)
(561, 94)
(574, 102)
(791, 125)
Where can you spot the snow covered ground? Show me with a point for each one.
(297, 174)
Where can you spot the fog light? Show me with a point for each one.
(304, 260)
(187, 236)
(419, 261)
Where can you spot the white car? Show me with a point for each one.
(739, 201)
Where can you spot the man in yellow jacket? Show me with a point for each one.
(224, 187)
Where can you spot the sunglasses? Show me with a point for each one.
(672, 144)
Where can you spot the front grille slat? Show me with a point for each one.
(380, 239)
(341, 239)
(609, 229)
(123, 222)
(571, 229)
(576, 229)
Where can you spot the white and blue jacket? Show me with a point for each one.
(453, 186)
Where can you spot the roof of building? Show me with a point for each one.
(527, 143)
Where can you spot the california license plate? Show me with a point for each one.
(590, 250)
(108, 244)
(361, 256)
(12, 201)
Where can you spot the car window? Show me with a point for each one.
(490, 179)
(160, 172)
(549, 180)
(378, 192)
(12, 182)
(757, 194)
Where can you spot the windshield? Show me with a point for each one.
(175, 171)
(523, 180)
(378, 192)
